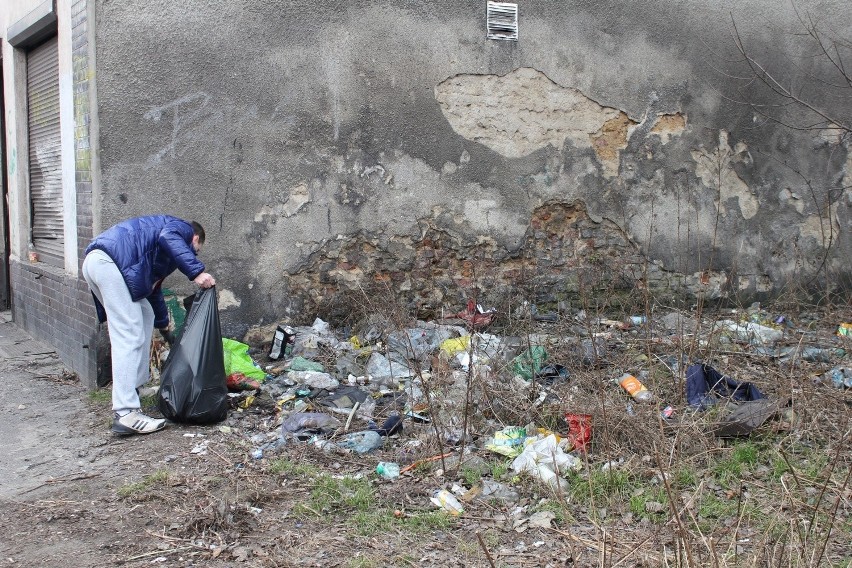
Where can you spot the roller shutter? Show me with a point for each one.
(45, 154)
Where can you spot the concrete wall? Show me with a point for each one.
(330, 145)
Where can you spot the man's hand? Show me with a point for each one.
(168, 335)
(205, 280)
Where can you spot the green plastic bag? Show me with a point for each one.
(302, 364)
(530, 362)
(176, 311)
(237, 360)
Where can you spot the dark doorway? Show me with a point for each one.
(5, 291)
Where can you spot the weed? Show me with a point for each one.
(133, 489)
(367, 523)
(332, 495)
(638, 505)
(471, 476)
(561, 512)
(712, 508)
(813, 466)
(363, 562)
(423, 469)
(777, 467)
(601, 487)
(468, 547)
(499, 469)
(684, 478)
(148, 401)
(372, 521)
(729, 471)
(100, 396)
(428, 521)
(288, 468)
(745, 453)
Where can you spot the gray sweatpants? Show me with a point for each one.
(131, 325)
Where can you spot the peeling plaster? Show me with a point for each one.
(757, 282)
(716, 169)
(822, 230)
(299, 197)
(668, 126)
(711, 283)
(226, 299)
(609, 141)
(488, 216)
(524, 111)
(792, 199)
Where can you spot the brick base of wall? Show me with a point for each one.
(58, 310)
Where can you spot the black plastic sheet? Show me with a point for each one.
(192, 384)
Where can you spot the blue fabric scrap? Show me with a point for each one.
(705, 386)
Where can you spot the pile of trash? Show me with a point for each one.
(365, 390)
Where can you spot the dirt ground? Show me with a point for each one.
(64, 481)
(71, 494)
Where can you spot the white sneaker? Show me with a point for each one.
(134, 422)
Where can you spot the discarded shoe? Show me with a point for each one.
(135, 422)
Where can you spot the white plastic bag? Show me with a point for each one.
(545, 459)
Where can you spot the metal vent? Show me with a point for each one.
(502, 21)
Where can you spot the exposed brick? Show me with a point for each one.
(55, 309)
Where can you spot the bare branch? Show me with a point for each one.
(760, 73)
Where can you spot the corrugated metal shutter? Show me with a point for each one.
(45, 152)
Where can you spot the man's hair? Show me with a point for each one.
(197, 229)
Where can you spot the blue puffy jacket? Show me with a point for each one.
(146, 250)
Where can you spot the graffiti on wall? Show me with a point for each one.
(186, 113)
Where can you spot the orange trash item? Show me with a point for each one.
(635, 388)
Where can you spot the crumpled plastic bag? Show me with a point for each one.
(754, 333)
(529, 362)
(361, 442)
(306, 424)
(314, 379)
(508, 442)
(416, 343)
(237, 360)
(380, 369)
(299, 363)
(455, 345)
(545, 459)
(744, 417)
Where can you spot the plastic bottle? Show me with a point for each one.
(447, 501)
(635, 388)
(388, 470)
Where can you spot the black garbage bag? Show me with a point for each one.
(192, 384)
